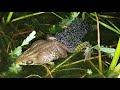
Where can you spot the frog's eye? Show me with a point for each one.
(29, 62)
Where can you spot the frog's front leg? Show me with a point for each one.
(51, 63)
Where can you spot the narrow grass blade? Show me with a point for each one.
(57, 15)
(105, 25)
(114, 25)
(26, 16)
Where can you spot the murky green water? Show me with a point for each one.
(12, 35)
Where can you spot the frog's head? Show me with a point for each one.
(29, 57)
(25, 59)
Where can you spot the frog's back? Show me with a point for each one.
(42, 52)
(52, 51)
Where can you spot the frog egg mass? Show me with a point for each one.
(73, 34)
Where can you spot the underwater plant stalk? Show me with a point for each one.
(104, 24)
(57, 15)
(97, 69)
(115, 58)
(26, 16)
(99, 52)
(62, 63)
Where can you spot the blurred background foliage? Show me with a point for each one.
(16, 26)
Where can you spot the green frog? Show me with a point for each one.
(42, 52)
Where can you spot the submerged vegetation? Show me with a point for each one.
(18, 30)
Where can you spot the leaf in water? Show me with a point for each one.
(52, 29)
(15, 68)
(89, 71)
(29, 38)
(66, 22)
(17, 51)
(107, 50)
(110, 51)
(75, 14)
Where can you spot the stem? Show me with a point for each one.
(97, 69)
(57, 15)
(48, 70)
(61, 63)
(83, 60)
(103, 24)
(26, 16)
(99, 52)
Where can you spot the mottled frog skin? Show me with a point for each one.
(42, 52)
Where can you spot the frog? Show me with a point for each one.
(43, 52)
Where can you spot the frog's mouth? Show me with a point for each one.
(21, 63)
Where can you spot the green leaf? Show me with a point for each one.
(74, 14)
(89, 71)
(17, 51)
(15, 68)
(29, 38)
(53, 29)
(110, 51)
